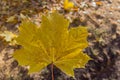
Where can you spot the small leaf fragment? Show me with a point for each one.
(68, 4)
(8, 36)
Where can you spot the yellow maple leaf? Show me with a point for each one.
(68, 5)
(52, 42)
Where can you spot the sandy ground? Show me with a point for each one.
(102, 17)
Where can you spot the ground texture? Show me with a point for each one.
(102, 17)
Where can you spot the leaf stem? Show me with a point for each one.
(52, 71)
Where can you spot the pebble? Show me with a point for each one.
(94, 4)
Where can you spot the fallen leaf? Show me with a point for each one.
(68, 5)
(8, 36)
(52, 43)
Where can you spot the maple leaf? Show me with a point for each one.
(52, 42)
